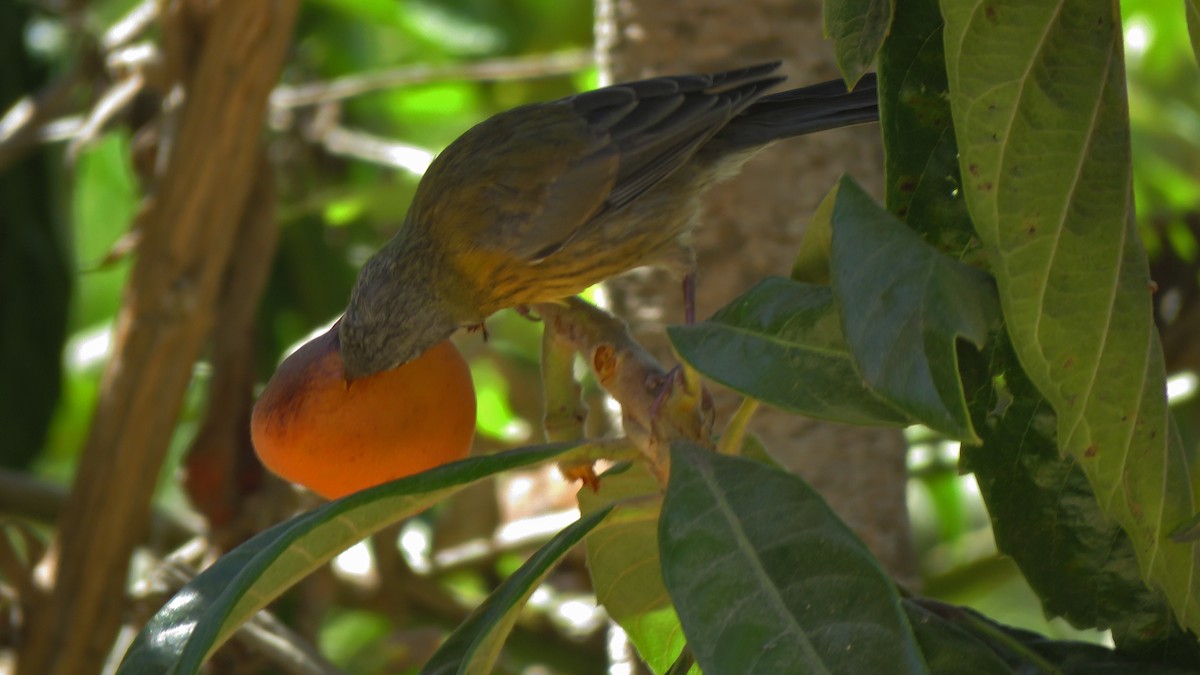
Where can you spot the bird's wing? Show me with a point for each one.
(544, 172)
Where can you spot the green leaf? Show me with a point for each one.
(203, 615)
(1038, 96)
(782, 344)
(35, 290)
(904, 307)
(1192, 7)
(923, 185)
(950, 649)
(812, 262)
(475, 645)
(858, 28)
(1028, 652)
(766, 579)
(622, 555)
(1034, 495)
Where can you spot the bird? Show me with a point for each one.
(542, 201)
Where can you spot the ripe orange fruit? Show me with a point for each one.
(311, 428)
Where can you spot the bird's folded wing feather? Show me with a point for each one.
(554, 168)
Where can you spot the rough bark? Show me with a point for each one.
(188, 228)
(752, 228)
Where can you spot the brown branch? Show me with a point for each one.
(24, 496)
(221, 469)
(21, 125)
(657, 406)
(188, 231)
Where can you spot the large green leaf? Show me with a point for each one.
(623, 560)
(781, 343)
(1035, 496)
(904, 306)
(208, 610)
(1038, 96)
(475, 645)
(923, 185)
(858, 28)
(766, 579)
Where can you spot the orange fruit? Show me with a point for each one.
(311, 428)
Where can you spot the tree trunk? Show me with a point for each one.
(752, 228)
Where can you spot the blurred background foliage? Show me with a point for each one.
(347, 170)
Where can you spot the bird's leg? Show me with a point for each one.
(689, 298)
(480, 327)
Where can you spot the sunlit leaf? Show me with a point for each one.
(812, 262)
(766, 579)
(1038, 96)
(623, 561)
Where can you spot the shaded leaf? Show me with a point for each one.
(1192, 8)
(950, 649)
(202, 615)
(475, 645)
(904, 307)
(1038, 97)
(766, 579)
(782, 344)
(858, 28)
(1028, 652)
(1034, 495)
(923, 185)
(622, 554)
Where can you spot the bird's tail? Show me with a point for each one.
(818, 107)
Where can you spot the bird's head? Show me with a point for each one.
(396, 312)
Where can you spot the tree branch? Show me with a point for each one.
(188, 231)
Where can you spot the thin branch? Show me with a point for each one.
(522, 67)
(24, 496)
(376, 149)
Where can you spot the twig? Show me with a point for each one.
(127, 29)
(25, 496)
(20, 125)
(359, 145)
(541, 65)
